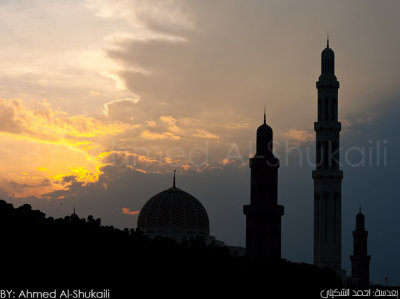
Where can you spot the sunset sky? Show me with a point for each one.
(100, 100)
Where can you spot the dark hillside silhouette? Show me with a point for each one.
(43, 252)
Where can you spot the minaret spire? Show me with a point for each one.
(265, 117)
(174, 180)
(327, 40)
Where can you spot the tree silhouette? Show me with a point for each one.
(43, 252)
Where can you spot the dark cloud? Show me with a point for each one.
(18, 186)
(122, 109)
(260, 52)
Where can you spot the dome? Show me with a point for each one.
(173, 213)
(327, 61)
(328, 52)
(360, 220)
(264, 139)
(264, 130)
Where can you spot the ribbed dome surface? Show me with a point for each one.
(174, 209)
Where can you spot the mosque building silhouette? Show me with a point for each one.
(176, 214)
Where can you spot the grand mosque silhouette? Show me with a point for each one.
(176, 214)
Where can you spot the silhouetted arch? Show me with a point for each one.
(334, 109)
(317, 206)
(326, 116)
(326, 154)
(326, 197)
(319, 109)
(335, 155)
(319, 154)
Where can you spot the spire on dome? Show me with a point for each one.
(174, 180)
(74, 216)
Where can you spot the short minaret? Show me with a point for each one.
(327, 175)
(360, 258)
(263, 215)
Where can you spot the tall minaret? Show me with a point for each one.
(263, 215)
(327, 176)
(360, 258)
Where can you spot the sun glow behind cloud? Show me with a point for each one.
(45, 145)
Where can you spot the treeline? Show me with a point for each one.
(43, 252)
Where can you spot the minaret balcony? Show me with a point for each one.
(327, 174)
(327, 126)
(263, 161)
(263, 210)
(327, 81)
